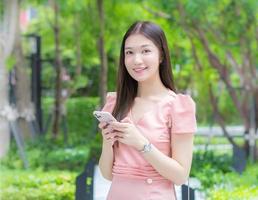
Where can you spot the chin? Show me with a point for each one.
(141, 79)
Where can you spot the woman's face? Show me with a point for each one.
(142, 58)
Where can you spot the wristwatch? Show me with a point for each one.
(146, 148)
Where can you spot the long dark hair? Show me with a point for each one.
(126, 85)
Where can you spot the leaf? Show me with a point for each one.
(10, 62)
(80, 82)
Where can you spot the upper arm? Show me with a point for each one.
(183, 127)
(182, 150)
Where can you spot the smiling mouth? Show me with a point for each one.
(139, 69)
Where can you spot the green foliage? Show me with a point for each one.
(25, 185)
(48, 155)
(68, 158)
(228, 109)
(82, 126)
(83, 140)
(237, 193)
(220, 181)
(216, 140)
(95, 147)
(80, 118)
(10, 62)
(234, 186)
(215, 18)
(209, 167)
(1, 10)
(79, 82)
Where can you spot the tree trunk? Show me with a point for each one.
(78, 45)
(4, 127)
(22, 87)
(7, 35)
(102, 54)
(58, 65)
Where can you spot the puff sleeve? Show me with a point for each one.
(182, 112)
(110, 102)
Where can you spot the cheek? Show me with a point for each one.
(152, 60)
(128, 62)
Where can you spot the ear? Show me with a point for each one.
(161, 58)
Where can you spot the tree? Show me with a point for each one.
(7, 38)
(58, 67)
(229, 48)
(22, 86)
(102, 53)
(222, 48)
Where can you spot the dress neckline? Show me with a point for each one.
(158, 101)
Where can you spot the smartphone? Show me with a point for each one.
(103, 116)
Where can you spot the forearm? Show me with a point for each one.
(166, 166)
(106, 161)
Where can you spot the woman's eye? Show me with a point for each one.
(128, 52)
(146, 51)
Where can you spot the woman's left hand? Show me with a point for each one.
(128, 134)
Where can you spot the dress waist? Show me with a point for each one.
(142, 172)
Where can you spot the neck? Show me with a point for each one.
(151, 88)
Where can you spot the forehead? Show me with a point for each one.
(137, 41)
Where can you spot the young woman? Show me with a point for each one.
(150, 148)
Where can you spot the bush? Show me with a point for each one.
(218, 179)
(47, 155)
(30, 185)
(81, 124)
(66, 159)
(83, 140)
(209, 167)
(236, 187)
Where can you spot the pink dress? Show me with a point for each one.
(133, 177)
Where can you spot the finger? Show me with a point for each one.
(122, 140)
(106, 131)
(120, 135)
(120, 128)
(119, 124)
(102, 125)
(111, 136)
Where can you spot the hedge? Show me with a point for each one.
(30, 185)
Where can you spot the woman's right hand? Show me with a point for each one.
(107, 134)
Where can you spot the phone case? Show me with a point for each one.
(103, 116)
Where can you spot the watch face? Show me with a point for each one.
(147, 148)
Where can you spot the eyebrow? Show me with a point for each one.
(145, 45)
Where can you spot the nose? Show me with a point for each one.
(137, 59)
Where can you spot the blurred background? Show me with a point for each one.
(59, 58)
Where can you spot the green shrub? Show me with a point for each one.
(209, 167)
(237, 193)
(236, 187)
(83, 141)
(217, 161)
(47, 155)
(30, 185)
(68, 159)
(81, 124)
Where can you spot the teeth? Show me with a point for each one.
(139, 69)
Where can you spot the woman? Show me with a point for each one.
(150, 148)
